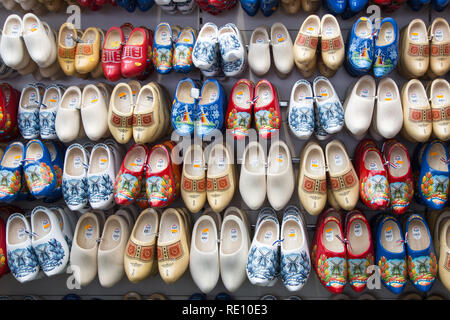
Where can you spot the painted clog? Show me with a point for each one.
(238, 116)
(400, 176)
(210, 109)
(11, 171)
(305, 45)
(163, 48)
(421, 257)
(415, 49)
(329, 254)
(120, 116)
(386, 48)
(135, 53)
(112, 53)
(56, 152)
(193, 179)
(332, 43)
(48, 111)
(360, 48)
(439, 94)
(182, 54)
(205, 55)
(439, 32)
(38, 169)
(391, 254)
(28, 111)
(301, 110)
(184, 107)
(75, 184)
(444, 267)
(232, 50)
(87, 56)
(267, 110)
(330, 110)
(434, 175)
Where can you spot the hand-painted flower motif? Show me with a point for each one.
(159, 190)
(434, 188)
(332, 271)
(127, 187)
(422, 270)
(393, 271)
(357, 271)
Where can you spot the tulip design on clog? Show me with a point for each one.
(434, 175)
(182, 54)
(386, 48)
(160, 179)
(184, 107)
(390, 254)
(163, 48)
(129, 180)
(11, 171)
(38, 169)
(239, 108)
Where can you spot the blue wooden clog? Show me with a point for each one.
(57, 157)
(386, 48)
(250, 6)
(184, 107)
(360, 47)
(11, 172)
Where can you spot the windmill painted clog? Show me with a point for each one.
(267, 110)
(130, 178)
(360, 251)
(386, 48)
(330, 110)
(238, 116)
(205, 55)
(184, 107)
(301, 110)
(360, 47)
(182, 54)
(75, 184)
(390, 254)
(434, 175)
(400, 175)
(421, 257)
(163, 48)
(48, 110)
(11, 171)
(28, 112)
(38, 170)
(210, 108)
(329, 254)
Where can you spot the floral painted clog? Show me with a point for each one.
(11, 171)
(129, 179)
(38, 169)
(329, 254)
(238, 116)
(386, 48)
(182, 54)
(57, 158)
(330, 109)
(360, 47)
(184, 107)
(399, 175)
(210, 109)
(160, 178)
(434, 175)
(163, 48)
(374, 190)
(360, 252)
(267, 110)
(421, 260)
(390, 254)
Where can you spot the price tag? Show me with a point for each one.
(116, 234)
(103, 163)
(268, 236)
(357, 231)
(234, 234)
(329, 235)
(77, 162)
(147, 229)
(174, 229)
(416, 233)
(205, 235)
(389, 235)
(88, 231)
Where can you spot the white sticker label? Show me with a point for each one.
(388, 96)
(315, 164)
(15, 30)
(94, 98)
(292, 234)
(266, 97)
(440, 98)
(68, 41)
(195, 93)
(34, 27)
(389, 235)
(439, 35)
(398, 161)
(260, 40)
(415, 36)
(164, 36)
(32, 98)
(413, 97)
(234, 234)
(160, 164)
(329, 31)
(103, 163)
(54, 100)
(139, 161)
(364, 93)
(77, 162)
(280, 38)
(17, 160)
(268, 236)
(198, 164)
(323, 92)
(389, 35)
(73, 103)
(147, 229)
(338, 160)
(174, 229)
(21, 233)
(357, 230)
(416, 233)
(213, 97)
(329, 235)
(280, 158)
(310, 29)
(88, 232)
(116, 234)
(205, 235)
(45, 225)
(221, 163)
(373, 166)
(240, 96)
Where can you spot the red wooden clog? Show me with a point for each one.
(112, 53)
(267, 109)
(238, 116)
(135, 53)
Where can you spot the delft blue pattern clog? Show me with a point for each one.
(268, 7)
(184, 107)
(211, 108)
(11, 172)
(422, 262)
(335, 6)
(182, 54)
(415, 5)
(360, 47)
(205, 55)
(28, 111)
(386, 49)
(250, 6)
(434, 175)
(232, 50)
(301, 110)
(57, 157)
(263, 262)
(48, 109)
(392, 262)
(38, 169)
